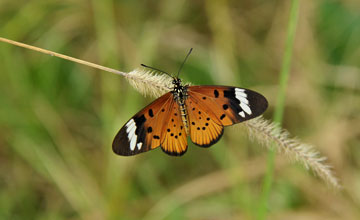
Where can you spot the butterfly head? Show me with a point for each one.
(178, 88)
(176, 82)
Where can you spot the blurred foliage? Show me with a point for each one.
(58, 119)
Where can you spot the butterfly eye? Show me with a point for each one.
(176, 81)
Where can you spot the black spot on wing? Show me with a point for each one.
(151, 113)
(213, 141)
(222, 116)
(235, 107)
(216, 93)
(139, 121)
(140, 132)
(230, 94)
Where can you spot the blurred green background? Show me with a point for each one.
(58, 119)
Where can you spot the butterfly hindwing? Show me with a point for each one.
(174, 138)
(204, 127)
(143, 131)
(230, 105)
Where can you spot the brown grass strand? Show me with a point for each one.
(146, 82)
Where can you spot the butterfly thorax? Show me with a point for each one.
(180, 95)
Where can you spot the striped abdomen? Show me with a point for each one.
(184, 116)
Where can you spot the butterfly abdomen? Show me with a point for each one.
(180, 95)
(184, 117)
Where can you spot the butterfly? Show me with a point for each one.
(200, 112)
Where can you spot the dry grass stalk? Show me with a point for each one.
(145, 81)
(267, 133)
(149, 82)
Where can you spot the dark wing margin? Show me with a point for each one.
(130, 140)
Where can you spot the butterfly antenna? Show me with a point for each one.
(184, 62)
(153, 68)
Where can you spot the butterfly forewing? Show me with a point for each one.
(143, 131)
(229, 105)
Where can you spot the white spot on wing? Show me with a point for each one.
(244, 102)
(139, 145)
(131, 133)
(133, 143)
(245, 107)
(130, 125)
(130, 130)
(240, 92)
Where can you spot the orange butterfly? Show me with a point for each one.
(200, 112)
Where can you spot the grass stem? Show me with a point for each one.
(279, 109)
(51, 53)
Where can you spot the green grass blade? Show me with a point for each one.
(279, 109)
